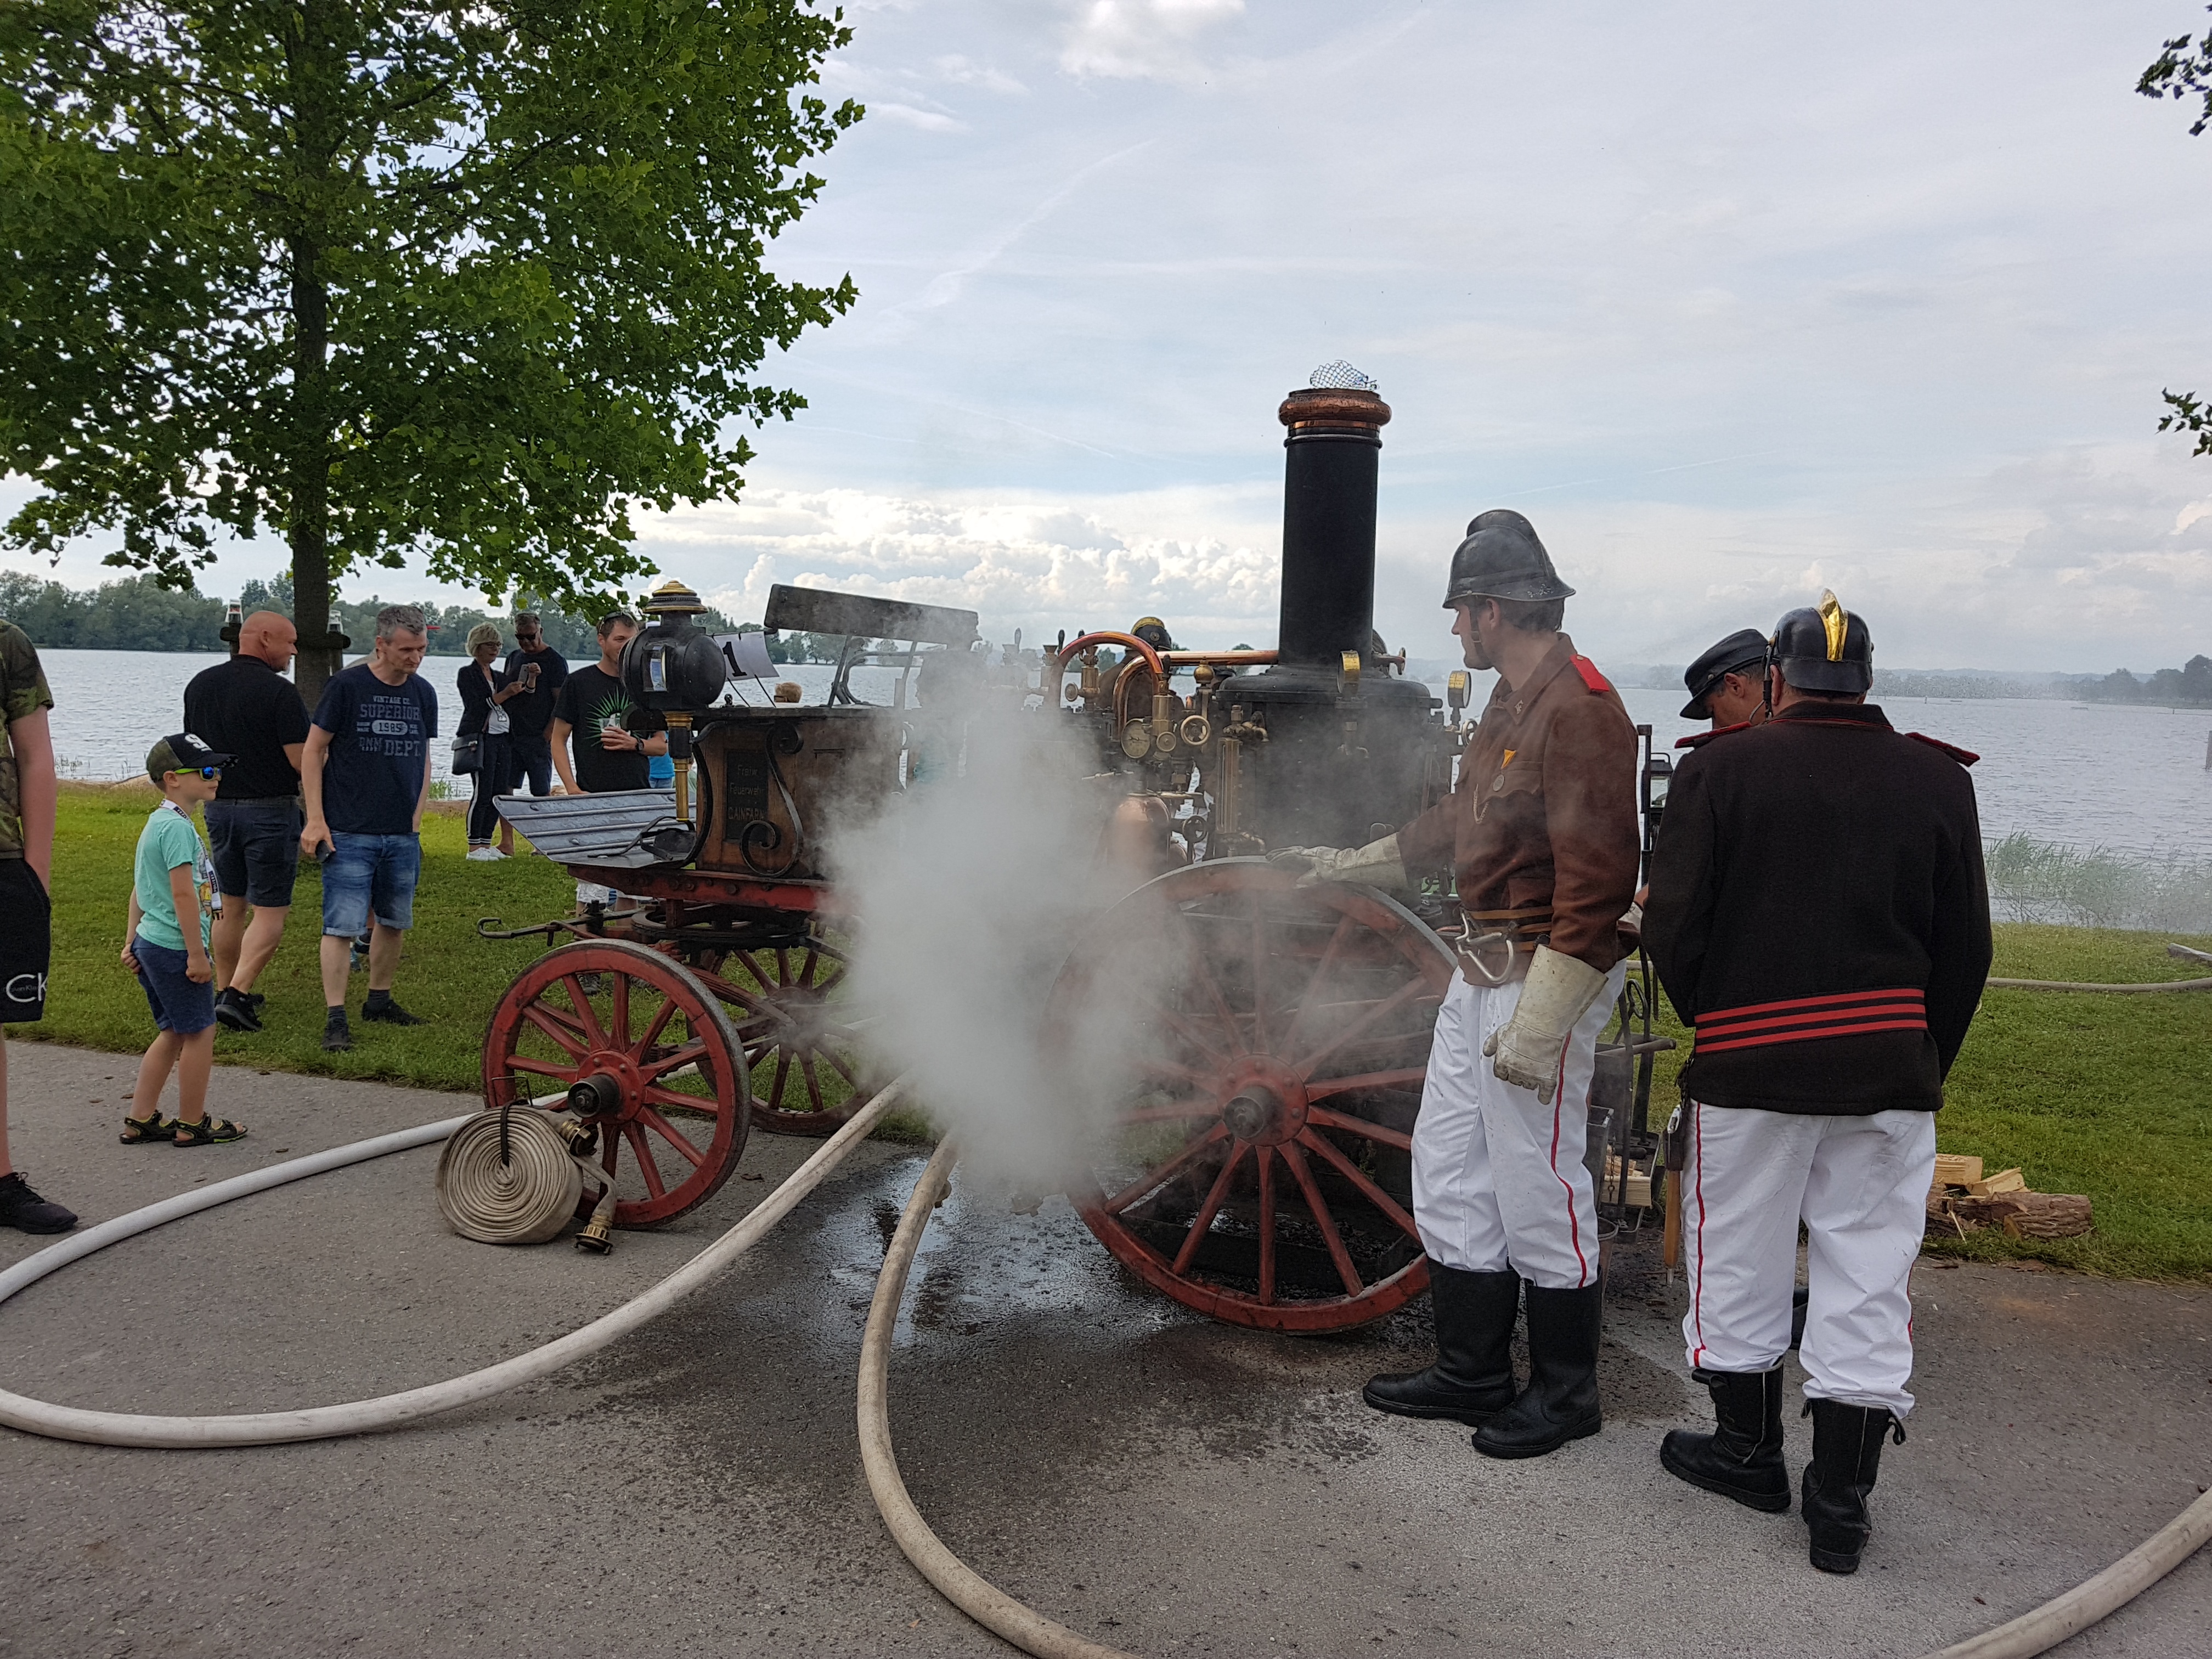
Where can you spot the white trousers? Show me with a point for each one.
(1860, 1184)
(1498, 1176)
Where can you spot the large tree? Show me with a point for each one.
(2184, 71)
(451, 286)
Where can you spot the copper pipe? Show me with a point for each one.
(1105, 636)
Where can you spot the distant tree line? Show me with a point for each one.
(135, 614)
(138, 614)
(2192, 683)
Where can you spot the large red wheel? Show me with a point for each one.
(1271, 1043)
(808, 1072)
(640, 1050)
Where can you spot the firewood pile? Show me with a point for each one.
(1963, 1201)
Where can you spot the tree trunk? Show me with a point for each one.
(308, 465)
(308, 528)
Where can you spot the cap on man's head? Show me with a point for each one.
(181, 752)
(1733, 655)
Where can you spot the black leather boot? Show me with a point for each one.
(1846, 1458)
(1472, 1380)
(1741, 1458)
(1560, 1402)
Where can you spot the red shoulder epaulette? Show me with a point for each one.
(1591, 677)
(1698, 739)
(1964, 756)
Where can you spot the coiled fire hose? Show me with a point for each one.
(509, 1177)
(2032, 1633)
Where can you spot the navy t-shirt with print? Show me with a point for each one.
(380, 737)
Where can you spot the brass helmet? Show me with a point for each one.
(1153, 632)
(1502, 559)
(1823, 648)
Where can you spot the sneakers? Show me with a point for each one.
(210, 1130)
(485, 854)
(24, 1210)
(235, 1010)
(337, 1036)
(381, 1008)
(145, 1131)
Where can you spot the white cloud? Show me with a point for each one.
(1142, 39)
(928, 120)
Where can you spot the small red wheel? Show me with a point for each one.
(809, 1075)
(1274, 1040)
(640, 1051)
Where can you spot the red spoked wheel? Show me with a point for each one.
(641, 1051)
(1263, 1052)
(801, 1037)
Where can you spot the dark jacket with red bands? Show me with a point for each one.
(1819, 913)
(1543, 817)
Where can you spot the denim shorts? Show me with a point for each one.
(256, 844)
(369, 874)
(179, 1002)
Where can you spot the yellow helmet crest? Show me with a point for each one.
(1835, 619)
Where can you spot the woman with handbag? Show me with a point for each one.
(481, 746)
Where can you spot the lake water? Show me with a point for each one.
(2130, 780)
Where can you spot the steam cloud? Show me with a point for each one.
(973, 891)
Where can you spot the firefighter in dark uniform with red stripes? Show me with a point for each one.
(1539, 832)
(1819, 916)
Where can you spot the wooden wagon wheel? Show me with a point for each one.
(808, 1073)
(644, 1053)
(1270, 1044)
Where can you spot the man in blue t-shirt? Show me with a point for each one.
(365, 774)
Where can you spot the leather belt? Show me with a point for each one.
(1495, 946)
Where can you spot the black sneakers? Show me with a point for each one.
(337, 1036)
(24, 1210)
(381, 1007)
(237, 1010)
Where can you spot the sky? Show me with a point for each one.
(1734, 301)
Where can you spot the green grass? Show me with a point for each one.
(448, 975)
(2085, 1092)
(2109, 1095)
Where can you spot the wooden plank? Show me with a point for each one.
(2004, 1181)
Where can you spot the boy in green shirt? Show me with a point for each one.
(172, 905)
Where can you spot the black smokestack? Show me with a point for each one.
(1329, 463)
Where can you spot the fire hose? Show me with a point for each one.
(2032, 1633)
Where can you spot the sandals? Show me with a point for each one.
(145, 1131)
(208, 1132)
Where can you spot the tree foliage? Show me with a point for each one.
(2184, 71)
(441, 286)
(135, 614)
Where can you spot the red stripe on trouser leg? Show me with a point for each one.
(1574, 1221)
(1698, 1277)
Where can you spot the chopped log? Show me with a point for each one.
(2004, 1181)
(2026, 1215)
(1956, 1169)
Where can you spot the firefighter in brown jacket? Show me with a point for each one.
(1541, 832)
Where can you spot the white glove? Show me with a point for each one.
(1376, 865)
(1558, 991)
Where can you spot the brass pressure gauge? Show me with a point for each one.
(1136, 739)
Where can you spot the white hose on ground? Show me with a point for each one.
(363, 1416)
(2045, 1627)
(2032, 1633)
(959, 1583)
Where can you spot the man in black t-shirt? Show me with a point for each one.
(541, 672)
(366, 775)
(247, 709)
(598, 712)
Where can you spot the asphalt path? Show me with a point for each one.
(1158, 1481)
